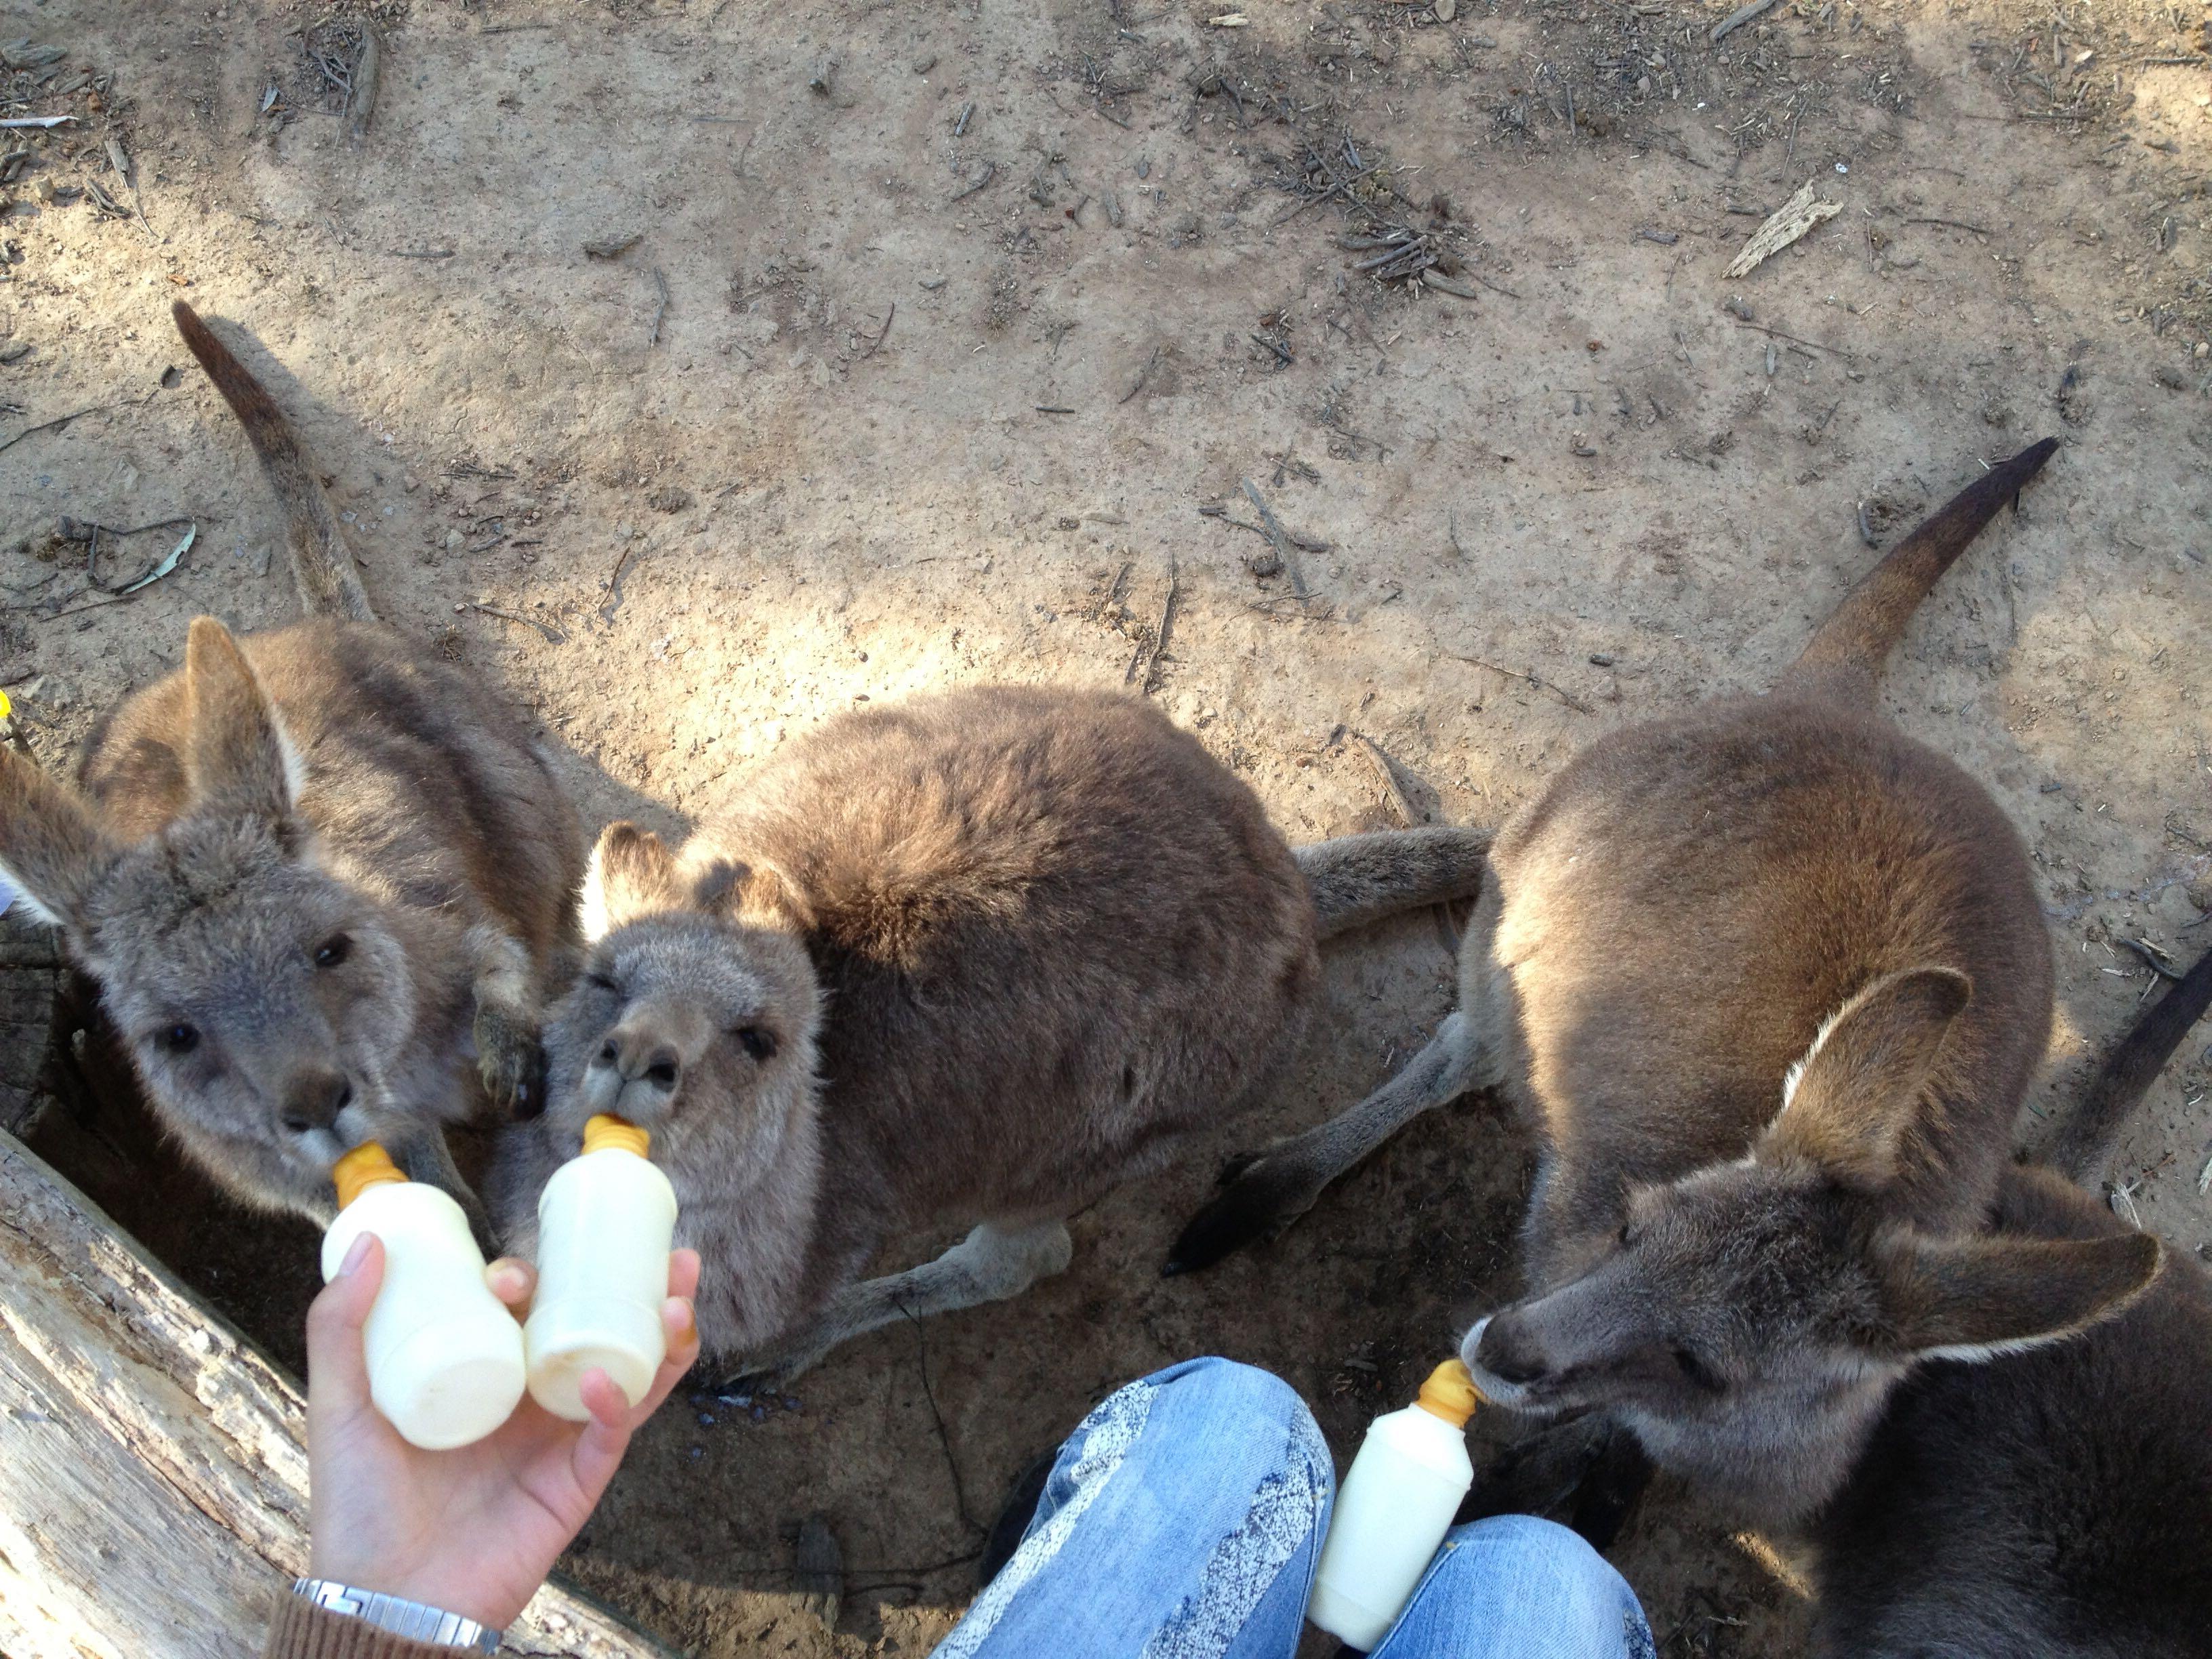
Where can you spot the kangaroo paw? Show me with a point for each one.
(511, 1061)
(1235, 1165)
(1265, 1196)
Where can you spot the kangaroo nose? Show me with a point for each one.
(637, 1055)
(1504, 1358)
(314, 1098)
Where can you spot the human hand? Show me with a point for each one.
(473, 1530)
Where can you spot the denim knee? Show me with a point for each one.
(1232, 1390)
(1516, 1584)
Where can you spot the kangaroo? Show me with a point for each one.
(971, 961)
(2057, 1501)
(1770, 979)
(311, 872)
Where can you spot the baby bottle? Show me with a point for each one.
(1394, 1506)
(606, 1222)
(444, 1356)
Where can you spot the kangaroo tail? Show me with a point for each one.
(1358, 879)
(2084, 1141)
(1844, 660)
(322, 560)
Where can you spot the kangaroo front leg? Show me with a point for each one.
(991, 1264)
(508, 1055)
(1272, 1191)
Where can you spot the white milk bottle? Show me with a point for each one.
(606, 1222)
(444, 1356)
(1393, 1509)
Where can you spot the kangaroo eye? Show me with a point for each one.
(760, 1044)
(603, 982)
(180, 1039)
(333, 950)
(1697, 1372)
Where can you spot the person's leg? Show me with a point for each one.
(1514, 1584)
(1183, 1520)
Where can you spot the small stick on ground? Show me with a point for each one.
(990, 172)
(553, 635)
(2152, 955)
(1736, 18)
(1866, 530)
(367, 69)
(1142, 374)
(882, 334)
(1149, 653)
(1340, 186)
(1283, 549)
(1537, 681)
(660, 281)
(74, 415)
(1797, 340)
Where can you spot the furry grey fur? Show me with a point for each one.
(316, 872)
(1768, 980)
(971, 961)
(2057, 1501)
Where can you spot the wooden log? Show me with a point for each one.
(153, 1473)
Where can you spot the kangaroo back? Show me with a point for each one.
(1844, 660)
(322, 560)
(2084, 1141)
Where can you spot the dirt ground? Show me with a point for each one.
(945, 343)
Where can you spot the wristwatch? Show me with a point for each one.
(411, 1619)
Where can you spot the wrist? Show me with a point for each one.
(415, 1621)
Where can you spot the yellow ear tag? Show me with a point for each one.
(6, 708)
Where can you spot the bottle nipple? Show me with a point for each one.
(366, 1165)
(605, 1130)
(1450, 1394)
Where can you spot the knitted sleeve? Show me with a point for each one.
(300, 1630)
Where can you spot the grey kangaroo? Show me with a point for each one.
(312, 873)
(2056, 1501)
(1770, 979)
(971, 961)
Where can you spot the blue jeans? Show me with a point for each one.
(1184, 1519)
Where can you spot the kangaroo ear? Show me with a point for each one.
(1975, 1298)
(51, 848)
(632, 874)
(237, 757)
(1851, 1103)
(737, 892)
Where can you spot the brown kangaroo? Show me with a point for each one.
(971, 961)
(1770, 979)
(2058, 1501)
(312, 872)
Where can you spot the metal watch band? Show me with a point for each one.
(411, 1619)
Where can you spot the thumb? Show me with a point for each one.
(338, 1370)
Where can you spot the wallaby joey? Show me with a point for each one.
(2055, 1501)
(969, 961)
(311, 872)
(1769, 980)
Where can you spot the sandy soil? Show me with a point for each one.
(948, 372)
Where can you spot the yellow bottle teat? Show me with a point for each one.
(607, 1130)
(366, 1165)
(1450, 1394)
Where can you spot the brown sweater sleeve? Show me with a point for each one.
(300, 1630)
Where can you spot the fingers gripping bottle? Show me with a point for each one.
(606, 1222)
(1392, 1510)
(444, 1354)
